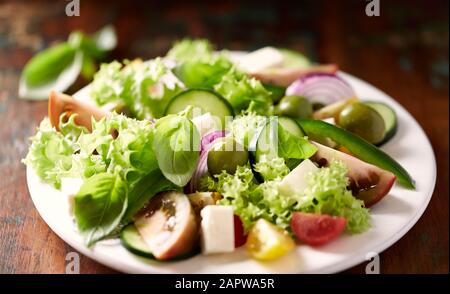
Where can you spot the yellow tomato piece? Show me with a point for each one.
(267, 242)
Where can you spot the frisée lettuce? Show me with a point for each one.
(326, 193)
(144, 88)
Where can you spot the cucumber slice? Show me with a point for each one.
(291, 126)
(389, 116)
(203, 100)
(132, 241)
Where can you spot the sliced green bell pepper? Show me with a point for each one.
(358, 147)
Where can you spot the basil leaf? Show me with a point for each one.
(97, 45)
(48, 64)
(64, 79)
(293, 147)
(106, 38)
(176, 145)
(57, 68)
(88, 67)
(144, 190)
(100, 205)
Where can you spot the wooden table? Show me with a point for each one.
(404, 52)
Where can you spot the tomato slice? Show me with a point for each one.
(239, 235)
(267, 241)
(317, 229)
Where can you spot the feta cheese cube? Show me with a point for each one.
(264, 58)
(206, 123)
(295, 181)
(70, 187)
(217, 229)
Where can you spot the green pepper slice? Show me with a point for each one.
(359, 147)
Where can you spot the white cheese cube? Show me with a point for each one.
(70, 187)
(295, 181)
(217, 229)
(206, 123)
(264, 58)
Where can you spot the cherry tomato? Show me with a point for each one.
(267, 242)
(317, 229)
(239, 235)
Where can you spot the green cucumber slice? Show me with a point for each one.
(132, 241)
(203, 99)
(291, 126)
(389, 116)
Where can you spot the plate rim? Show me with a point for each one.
(347, 263)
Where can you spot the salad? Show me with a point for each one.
(204, 151)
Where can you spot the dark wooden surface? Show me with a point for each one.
(403, 52)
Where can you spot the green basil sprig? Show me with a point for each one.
(176, 145)
(99, 206)
(58, 67)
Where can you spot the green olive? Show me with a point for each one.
(295, 107)
(363, 121)
(226, 154)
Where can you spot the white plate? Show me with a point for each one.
(392, 218)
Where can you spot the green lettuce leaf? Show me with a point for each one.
(271, 168)
(130, 153)
(50, 154)
(189, 49)
(144, 88)
(245, 128)
(245, 93)
(250, 200)
(203, 72)
(327, 193)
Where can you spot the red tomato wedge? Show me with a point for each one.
(239, 235)
(317, 229)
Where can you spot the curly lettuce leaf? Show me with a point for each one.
(188, 49)
(271, 168)
(50, 154)
(327, 193)
(203, 72)
(109, 84)
(245, 93)
(250, 200)
(130, 153)
(144, 88)
(245, 128)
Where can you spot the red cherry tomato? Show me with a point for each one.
(317, 229)
(239, 236)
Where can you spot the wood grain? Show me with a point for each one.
(404, 52)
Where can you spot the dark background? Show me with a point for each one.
(404, 52)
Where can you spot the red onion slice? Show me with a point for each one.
(209, 138)
(202, 165)
(324, 88)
